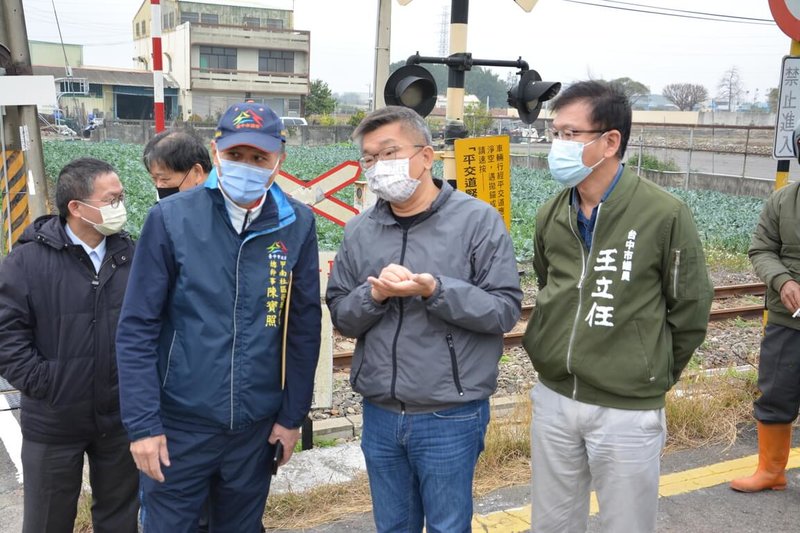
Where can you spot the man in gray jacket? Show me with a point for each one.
(426, 280)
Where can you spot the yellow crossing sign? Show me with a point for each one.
(483, 170)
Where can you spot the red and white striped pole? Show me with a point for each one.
(158, 74)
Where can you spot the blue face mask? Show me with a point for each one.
(244, 184)
(566, 162)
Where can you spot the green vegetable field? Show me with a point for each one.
(725, 222)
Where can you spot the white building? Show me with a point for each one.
(222, 54)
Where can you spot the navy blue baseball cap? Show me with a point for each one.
(250, 124)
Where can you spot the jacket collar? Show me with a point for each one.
(621, 193)
(49, 230)
(382, 212)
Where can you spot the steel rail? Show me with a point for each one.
(343, 359)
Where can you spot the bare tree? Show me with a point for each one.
(730, 86)
(685, 95)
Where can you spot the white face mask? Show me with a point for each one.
(390, 181)
(566, 162)
(114, 218)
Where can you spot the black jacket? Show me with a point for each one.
(58, 321)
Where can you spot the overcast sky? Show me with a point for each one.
(564, 40)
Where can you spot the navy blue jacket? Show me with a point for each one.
(201, 331)
(58, 319)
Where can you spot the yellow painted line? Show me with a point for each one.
(518, 520)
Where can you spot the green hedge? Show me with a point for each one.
(725, 222)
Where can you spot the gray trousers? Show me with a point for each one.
(53, 474)
(575, 446)
(778, 376)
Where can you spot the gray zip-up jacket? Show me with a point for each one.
(422, 355)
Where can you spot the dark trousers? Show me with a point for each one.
(229, 470)
(778, 376)
(53, 474)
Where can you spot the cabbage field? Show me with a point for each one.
(725, 222)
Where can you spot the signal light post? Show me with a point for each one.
(414, 87)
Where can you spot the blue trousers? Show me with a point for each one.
(420, 466)
(229, 468)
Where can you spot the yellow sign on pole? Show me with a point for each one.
(483, 170)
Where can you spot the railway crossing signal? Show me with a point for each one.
(318, 193)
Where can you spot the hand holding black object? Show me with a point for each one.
(276, 459)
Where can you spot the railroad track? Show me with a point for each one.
(343, 359)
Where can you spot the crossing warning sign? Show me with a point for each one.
(319, 192)
(483, 170)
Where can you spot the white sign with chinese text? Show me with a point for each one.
(788, 108)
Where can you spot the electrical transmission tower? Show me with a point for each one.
(444, 32)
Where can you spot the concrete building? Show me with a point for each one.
(47, 53)
(107, 93)
(112, 94)
(222, 54)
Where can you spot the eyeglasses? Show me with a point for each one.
(569, 135)
(390, 152)
(114, 202)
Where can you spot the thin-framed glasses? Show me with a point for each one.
(388, 153)
(114, 202)
(568, 134)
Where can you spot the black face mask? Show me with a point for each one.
(163, 192)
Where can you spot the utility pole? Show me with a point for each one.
(383, 37)
(454, 112)
(158, 73)
(15, 59)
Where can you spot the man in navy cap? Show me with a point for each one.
(219, 334)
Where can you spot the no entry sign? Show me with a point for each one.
(787, 15)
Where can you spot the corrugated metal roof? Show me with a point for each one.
(285, 5)
(107, 76)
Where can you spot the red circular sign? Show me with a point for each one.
(787, 14)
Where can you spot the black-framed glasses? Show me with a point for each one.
(388, 153)
(114, 202)
(568, 134)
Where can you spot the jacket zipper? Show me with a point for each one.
(397, 332)
(102, 405)
(358, 371)
(675, 274)
(451, 345)
(235, 305)
(236, 297)
(169, 358)
(584, 267)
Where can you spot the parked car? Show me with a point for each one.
(526, 136)
(291, 122)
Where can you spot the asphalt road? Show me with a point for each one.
(716, 509)
(710, 508)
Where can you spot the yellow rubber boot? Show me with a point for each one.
(774, 441)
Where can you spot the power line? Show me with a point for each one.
(769, 21)
(64, 48)
(679, 14)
